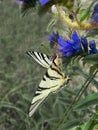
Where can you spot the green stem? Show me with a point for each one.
(81, 91)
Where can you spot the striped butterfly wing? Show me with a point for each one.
(54, 77)
(43, 59)
(52, 81)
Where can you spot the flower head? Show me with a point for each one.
(75, 46)
(43, 2)
(53, 38)
(84, 43)
(93, 49)
(70, 47)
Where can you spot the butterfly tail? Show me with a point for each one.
(39, 97)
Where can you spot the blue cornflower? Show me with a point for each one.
(93, 49)
(53, 38)
(43, 2)
(70, 47)
(84, 43)
(95, 14)
(76, 45)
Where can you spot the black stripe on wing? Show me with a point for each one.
(41, 88)
(39, 91)
(56, 70)
(50, 77)
(41, 58)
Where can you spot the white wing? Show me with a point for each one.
(39, 97)
(43, 59)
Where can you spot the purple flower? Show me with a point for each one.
(71, 47)
(53, 38)
(95, 14)
(93, 49)
(75, 46)
(84, 43)
(43, 2)
(96, 8)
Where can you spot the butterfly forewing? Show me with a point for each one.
(43, 59)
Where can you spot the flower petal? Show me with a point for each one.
(93, 49)
(75, 37)
(84, 43)
(53, 37)
(43, 2)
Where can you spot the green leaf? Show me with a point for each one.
(89, 100)
(85, 14)
(88, 125)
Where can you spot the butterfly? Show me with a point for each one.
(52, 81)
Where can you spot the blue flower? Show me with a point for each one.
(96, 8)
(93, 49)
(43, 2)
(95, 14)
(84, 43)
(75, 46)
(53, 38)
(71, 47)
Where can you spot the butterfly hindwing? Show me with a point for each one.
(40, 95)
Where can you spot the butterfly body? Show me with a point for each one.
(52, 81)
